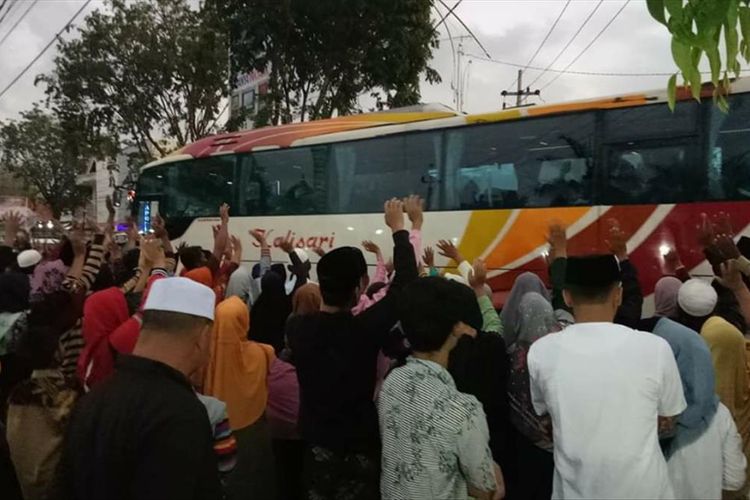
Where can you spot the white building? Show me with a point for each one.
(246, 95)
(102, 177)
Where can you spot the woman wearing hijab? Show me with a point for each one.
(534, 319)
(270, 312)
(307, 299)
(525, 283)
(239, 284)
(665, 296)
(47, 278)
(237, 374)
(103, 312)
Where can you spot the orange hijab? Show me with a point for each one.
(237, 371)
(202, 275)
(306, 299)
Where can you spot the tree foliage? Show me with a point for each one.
(153, 72)
(37, 150)
(324, 54)
(702, 28)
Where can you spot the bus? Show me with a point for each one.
(491, 182)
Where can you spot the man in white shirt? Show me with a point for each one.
(607, 389)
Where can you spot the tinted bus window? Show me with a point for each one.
(652, 156)
(193, 188)
(729, 150)
(363, 174)
(531, 163)
(287, 181)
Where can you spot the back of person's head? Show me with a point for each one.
(280, 270)
(697, 301)
(178, 306)
(66, 254)
(434, 308)
(342, 274)
(665, 296)
(7, 258)
(192, 257)
(104, 279)
(307, 299)
(47, 320)
(593, 280)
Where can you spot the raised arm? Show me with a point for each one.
(414, 206)
(478, 279)
(629, 312)
(381, 274)
(558, 258)
(221, 232)
(731, 277)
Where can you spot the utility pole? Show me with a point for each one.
(520, 93)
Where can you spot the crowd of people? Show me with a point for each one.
(148, 372)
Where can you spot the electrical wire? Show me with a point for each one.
(466, 28)
(576, 58)
(13, 3)
(546, 37)
(450, 11)
(575, 72)
(18, 21)
(45, 49)
(570, 42)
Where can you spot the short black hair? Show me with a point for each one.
(591, 294)
(192, 257)
(431, 307)
(172, 322)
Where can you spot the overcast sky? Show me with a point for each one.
(509, 30)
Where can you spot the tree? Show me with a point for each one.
(698, 28)
(322, 55)
(36, 150)
(153, 72)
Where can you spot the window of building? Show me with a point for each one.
(235, 102)
(248, 99)
(531, 163)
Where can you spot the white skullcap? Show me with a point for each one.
(457, 278)
(181, 295)
(697, 298)
(28, 258)
(302, 255)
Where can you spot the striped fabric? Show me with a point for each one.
(225, 446)
(435, 439)
(70, 346)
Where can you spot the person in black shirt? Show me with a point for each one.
(143, 433)
(335, 355)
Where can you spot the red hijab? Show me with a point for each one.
(103, 312)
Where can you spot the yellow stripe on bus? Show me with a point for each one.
(481, 230)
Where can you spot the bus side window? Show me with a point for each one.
(652, 155)
(283, 182)
(539, 162)
(729, 150)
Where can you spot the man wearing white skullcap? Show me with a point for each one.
(28, 260)
(697, 301)
(143, 433)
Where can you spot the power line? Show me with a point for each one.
(10, 7)
(18, 21)
(45, 49)
(466, 28)
(590, 44)
(574, 72)
(572, 39)
(546, 37)
(450, 11)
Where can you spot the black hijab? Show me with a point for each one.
(270, 312)
(14, 292)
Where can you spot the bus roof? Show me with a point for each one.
(413, 118)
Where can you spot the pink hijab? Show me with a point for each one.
(665, 296)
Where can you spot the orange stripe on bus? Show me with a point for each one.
(529, 232)
(481, 230)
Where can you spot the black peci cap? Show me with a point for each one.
(341, 269)
(592, 271)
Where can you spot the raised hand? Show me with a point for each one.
(318, 251)
(617, 241)
(224, 213)
(414, 206)
(12, 225)
(429, 257)
(152, 251)
(726, 246)
(78, 240)
(731, 275)
(705, 231)
(159, 227)
(558, 241)
(236, 248)
(287, 245)
(394, 214)
(672, 261)
(448, 249)
(371, 247)
(478, 276)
